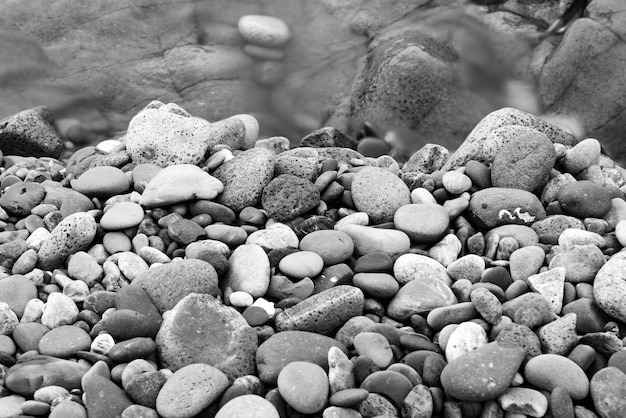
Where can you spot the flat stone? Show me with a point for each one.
(497, 206)
(301, 264)
(248, 270)
(122, 215)
(16, 291)
(374, 346)
(33, 372)
(332, 245)
(19, 198)
(550, 284)
(103, 181)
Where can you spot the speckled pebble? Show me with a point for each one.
(72, 234)
(422, 222)
(379, 193)
(190, 390)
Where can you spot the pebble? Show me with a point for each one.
(309, 397)
(332, 245)
(374, 346)
(264, 31)
(20, 198)
(169, 283)
(248, 406)
(549, 371)
(16, 291)
(37, 371)
(179, 183)
(74, 233)
(608, 391)
(581, 155)
(526, 261)
(368, 240)
(301, 264)
(482, 374)
(469, 267)
(497, 206)
(59, 310)
(244, 178)
(82, 266)
(609, 287)
(378, 285)
(549, 284)
(324, 312)
(275, 236)
(573, 236)
(31, 133)
(581, 262)
(432, 225)
(420, 296)
(289, 346)
(166, 135)
(524, 163)
(252, 275)
(379, 193)
(178, 398)
(559, 336)
(525, 401)
(286, 197)
(181, 340)
(409, 267)
(466, 337)
(104, 181)
(585, 199)
(122, 215)
(64, 341)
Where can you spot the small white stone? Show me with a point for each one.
(8, 319)
(102, 344)
(110, 145)
(468, 336)
(550, 284)
(264, 30)
(582, 155)
(357, 218)
(456, 183)
(37, 237)
(131, 265)
(421, 195)
(620, 233)
(240, 299)
(266, 305)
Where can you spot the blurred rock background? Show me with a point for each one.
(427, 69)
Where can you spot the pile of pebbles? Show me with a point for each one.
(191, 269)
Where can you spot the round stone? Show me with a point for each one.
(304, 386)
(301, 264)
(608, 391)
(377, 285)
(265, 31)
(456, 182)
(101, 181)
(379, 193)
(122, 215)
(422, 222)
(333, 246)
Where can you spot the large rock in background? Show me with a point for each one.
(435, 67)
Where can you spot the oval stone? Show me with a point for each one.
(497, 206)
(393, 385)
(248, 270)
(585, 199)
(377, 285)
(376, 240)
(609, 287)
(608, 391)
(333, 246)
(420, 296)
(409, 267)
(72, 234)
(263, 30)
(422, 222)
(122, 215)
(101, 181)
(549, 371)
(64, 341)
(189, 390)
(301, 264)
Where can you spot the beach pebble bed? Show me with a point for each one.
(191, 269)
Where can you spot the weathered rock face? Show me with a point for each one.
(434, 67)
